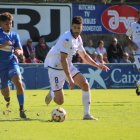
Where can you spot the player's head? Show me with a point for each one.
(77, 23)
(6, 21)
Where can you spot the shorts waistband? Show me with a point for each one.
(54, 68)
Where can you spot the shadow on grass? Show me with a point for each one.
(27, 119)
(40, 120)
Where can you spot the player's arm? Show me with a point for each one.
(7, 43)
(17, 46)
(66, 69)
(131, 43)
(129, 38)
(88, 60)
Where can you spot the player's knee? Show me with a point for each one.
(85, 86)
(60, 101)
(19, 83)
(19, 86)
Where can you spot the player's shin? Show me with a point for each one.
(86, 102)
(20, 98)
(49, 97)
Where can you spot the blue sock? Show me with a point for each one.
(20, 100)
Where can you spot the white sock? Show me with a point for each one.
(52, 94)
(86, 102)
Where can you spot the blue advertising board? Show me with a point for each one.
(119, 76)
(106, 18)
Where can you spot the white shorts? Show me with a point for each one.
(57, 77)
(137, 61)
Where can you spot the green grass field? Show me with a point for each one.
(118, 112)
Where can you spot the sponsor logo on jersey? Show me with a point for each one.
(66, 43)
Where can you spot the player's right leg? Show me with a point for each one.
(5, 90)
(6, 94)
(137, 62)
(57, 79)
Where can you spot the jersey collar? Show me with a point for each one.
(5, 32)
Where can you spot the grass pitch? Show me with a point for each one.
(118, 112)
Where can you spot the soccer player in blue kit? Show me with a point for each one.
(10, 47)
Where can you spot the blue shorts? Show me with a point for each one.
(7, 73)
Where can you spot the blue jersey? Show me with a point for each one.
(6, 53)
(8, 61)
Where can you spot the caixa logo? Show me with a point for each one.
(117, 19)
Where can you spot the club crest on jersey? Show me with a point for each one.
(66, 43)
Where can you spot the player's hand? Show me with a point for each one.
(18, 52)
(103, 67)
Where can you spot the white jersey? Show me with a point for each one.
(66, 44)
(134, 32)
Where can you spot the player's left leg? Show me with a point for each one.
(138, 87)
(15, 76)
(49, 97)
(80, 81)
(16, 79)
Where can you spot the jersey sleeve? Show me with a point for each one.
(80, 47)
(65, 45)
(17, 43)
(129, 31)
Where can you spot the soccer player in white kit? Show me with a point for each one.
(60, 67)
(133, 36)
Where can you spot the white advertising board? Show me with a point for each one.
(34, 20)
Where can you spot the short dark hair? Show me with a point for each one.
(6, 16)
(100, 41)
(77, 20)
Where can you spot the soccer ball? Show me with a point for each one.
(58, 115)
